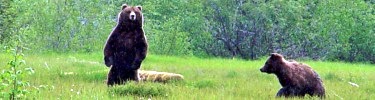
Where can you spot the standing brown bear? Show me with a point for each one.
(296, 79)
(126, 46)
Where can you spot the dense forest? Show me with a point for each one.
(341, 30)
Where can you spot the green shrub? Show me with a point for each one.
(140, 89)
(13, 85)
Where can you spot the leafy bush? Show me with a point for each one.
(13, 85)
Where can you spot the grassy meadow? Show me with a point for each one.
(82, 76)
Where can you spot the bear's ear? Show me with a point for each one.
(276, 56)
(139, 7)
(124, 6)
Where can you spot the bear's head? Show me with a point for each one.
(273, 63)
(131, 16)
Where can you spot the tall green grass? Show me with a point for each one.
(82, 76)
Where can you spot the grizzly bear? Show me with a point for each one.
(126, 46)
(296, 79)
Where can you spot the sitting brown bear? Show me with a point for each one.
(296, 79)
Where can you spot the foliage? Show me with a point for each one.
(315, 29)
(13, 85)
(6, 20)
(247, 29)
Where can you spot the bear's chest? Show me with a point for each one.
(126, 41)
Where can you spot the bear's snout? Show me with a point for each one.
(132, 16)
(261, 70)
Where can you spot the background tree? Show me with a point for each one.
(246, 29)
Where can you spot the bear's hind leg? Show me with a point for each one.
(110, 81)
(112, 78)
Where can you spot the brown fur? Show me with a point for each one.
(155, 76)
(297, 79)
(126, 46)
